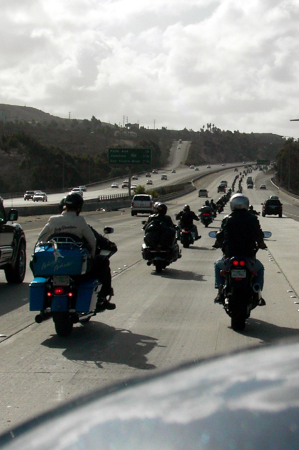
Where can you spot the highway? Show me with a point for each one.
(161, 320)
(178, 155)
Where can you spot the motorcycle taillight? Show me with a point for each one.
(240, 262)
(59, 290)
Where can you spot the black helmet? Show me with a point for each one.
(186, 208)
(207, 203)
(162, 209)
(74, 201)
(61, 204)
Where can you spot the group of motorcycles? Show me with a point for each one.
(241, 293)
(63, 290)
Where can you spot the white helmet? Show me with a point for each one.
(239, 201)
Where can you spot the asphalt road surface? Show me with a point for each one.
(161, 320)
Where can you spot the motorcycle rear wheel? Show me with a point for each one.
(239, 312)
(63, 324)
(159, 266)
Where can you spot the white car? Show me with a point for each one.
(77, 191)
(40, 196)
(83, 188)
(114, 185)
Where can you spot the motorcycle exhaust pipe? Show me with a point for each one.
(39, 318)
(256, 287)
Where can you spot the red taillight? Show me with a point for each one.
(239, 263)
(59, 290)
(49, 294)
(70, 294)
(206, 214)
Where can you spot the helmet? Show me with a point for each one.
(74, 201)
(207, 203)
(61, 204)
(162, 209)
(239, 201)
(156, 204)
(186, 208)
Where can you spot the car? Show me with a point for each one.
(148, 174)
(263, 186)
(83, 188)
(236, 170)
(142, 203)
(223, 183)
(164, 176)
(125, 184)
(12, 246)
(40, 196)
(114, 185)
(154, 171)
(191, 167)
(173, 171)
(197, 169)
(249, 396)
(76, 190)
(202, 193)
(149, 182)
(249, 186)
(221, 188)
(272, 206)
(223, 164)
(134, 177)
(29, 195)
(208, 167)
(133, 186)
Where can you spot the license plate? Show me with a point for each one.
(61, 280)
(238, 273)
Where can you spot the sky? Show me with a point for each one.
(160, 63)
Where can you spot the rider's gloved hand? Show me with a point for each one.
(262, 245)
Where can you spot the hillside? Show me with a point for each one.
(41, 151)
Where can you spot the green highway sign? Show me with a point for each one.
(264, 162)
(129, 156)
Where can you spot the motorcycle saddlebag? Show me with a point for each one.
(37, 289)
(66, 261)
(87, 295)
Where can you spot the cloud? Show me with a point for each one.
(181, 64)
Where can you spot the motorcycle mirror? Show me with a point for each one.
(267, 234)
(143, 222)
(108, 230)
(212, 234)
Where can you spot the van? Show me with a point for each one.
(202, 193)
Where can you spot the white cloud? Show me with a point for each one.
(231, 63)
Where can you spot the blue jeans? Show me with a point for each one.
(256, 265)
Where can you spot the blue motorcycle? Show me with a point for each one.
(62, 288)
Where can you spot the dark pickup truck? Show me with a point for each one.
(12, 246)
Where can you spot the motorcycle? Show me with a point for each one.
(241, 293)
(158, 251)
(206, 218)
(61, 288)
(187, 237)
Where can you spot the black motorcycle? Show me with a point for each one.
(241, 293)
(160, 247)
(186, 237)
(206, 218)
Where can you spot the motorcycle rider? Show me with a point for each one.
(214, 207)
(240, 234)
(70, 221)
(162, 226)
(186, 217)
